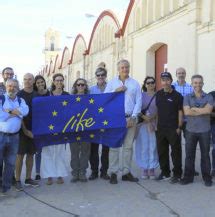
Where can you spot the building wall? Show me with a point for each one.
(187, 27)
(181, 46)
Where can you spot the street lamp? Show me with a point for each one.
(88, 15)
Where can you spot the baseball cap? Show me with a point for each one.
(166, 75)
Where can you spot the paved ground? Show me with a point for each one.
(98, 198)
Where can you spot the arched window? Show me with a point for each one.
(52, 47)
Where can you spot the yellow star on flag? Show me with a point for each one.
(92, 136)
(78, 99)
(54, 113)
(91, 101)
(64, 103)
(51, 127)
(101, 110)
(78, 138)
(105, 123)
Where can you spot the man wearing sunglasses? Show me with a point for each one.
(101, 75)
(133, 102)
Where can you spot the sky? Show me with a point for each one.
(24, 22)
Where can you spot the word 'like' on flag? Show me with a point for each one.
(97, 118)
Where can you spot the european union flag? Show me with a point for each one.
(98, 118)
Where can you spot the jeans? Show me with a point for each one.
(166, 138)
(146, 148)
(94, 158)
(191, 142)
(38, 160)
(213, 143)
(8, 151)
(1, 169)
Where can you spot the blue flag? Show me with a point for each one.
(98, 118)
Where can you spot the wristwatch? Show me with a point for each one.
(10, 112)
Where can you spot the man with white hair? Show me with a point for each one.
(7, 73)
(133, 102)
(12, 110)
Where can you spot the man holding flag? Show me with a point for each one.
(133, 102)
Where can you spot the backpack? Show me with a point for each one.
(2, 99)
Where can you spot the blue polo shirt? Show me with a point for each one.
(201, 123)
(96, 90)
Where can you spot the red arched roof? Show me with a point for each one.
(50, 64)
(64, 50)
(103, 14)
(79, 36)
(121, 31)
(46, 69)
(43, 71)
(55, 63)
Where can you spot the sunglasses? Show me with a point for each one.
(100, 75)
(150, 82)
(80, 85)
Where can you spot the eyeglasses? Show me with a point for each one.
(81, 84)
(58, 80)
(100, 75)
(150, 82)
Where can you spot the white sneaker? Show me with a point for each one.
(145, 174)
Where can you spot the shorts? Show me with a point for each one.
(26, 145)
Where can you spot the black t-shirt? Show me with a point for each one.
(213, 118)
(63, 93)
(168, 105)
(46, 94)
(28, 99)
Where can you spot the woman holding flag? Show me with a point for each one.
(80, 151)
(53, 163)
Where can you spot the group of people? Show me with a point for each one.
(155, 121)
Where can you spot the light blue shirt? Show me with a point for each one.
(183, 89)
(96, 90)
(133, 95)
(10, 123)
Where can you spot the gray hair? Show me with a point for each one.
(12, 80)
(123, 61)
(180, 68)
(197, 76)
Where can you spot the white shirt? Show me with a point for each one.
(8, 122)
(133, 97)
